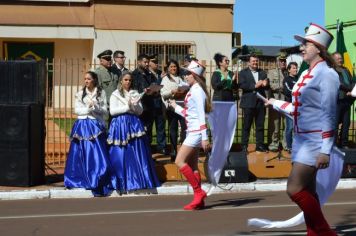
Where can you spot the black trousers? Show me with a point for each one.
(250, 115)
(147, 119)
(343, 112)
(173, 120)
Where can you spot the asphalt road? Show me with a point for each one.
(225, 214)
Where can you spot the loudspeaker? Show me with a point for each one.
(235, 169)
(22, 82)
(349, 170)
(21, 144)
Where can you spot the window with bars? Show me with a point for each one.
(166, 50)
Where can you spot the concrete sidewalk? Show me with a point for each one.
(168, 188)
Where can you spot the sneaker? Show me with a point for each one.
(273, 147)
(261, 148)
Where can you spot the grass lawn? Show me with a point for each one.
(65, 124)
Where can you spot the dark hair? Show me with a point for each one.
(96, 85)
(252, 55)
(141, 56)
(292, 63)
(326, 56)
(119, 86)
(218, 57)
(116, 53)
(172, 61)
(201, 81)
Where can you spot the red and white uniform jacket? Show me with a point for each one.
(193, 111)
(314, 101)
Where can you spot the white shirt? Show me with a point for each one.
(120, 104)
(97, 111)
(194, 110)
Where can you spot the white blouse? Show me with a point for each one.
(83, 107)
(120, 105)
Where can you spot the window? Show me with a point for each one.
(166, 50)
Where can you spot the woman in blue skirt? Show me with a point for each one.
(88, 164)
(129, 148)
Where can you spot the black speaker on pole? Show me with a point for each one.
(22, 130)
(235, 169)
(349, 170)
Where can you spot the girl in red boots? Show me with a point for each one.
(196, 104)
(313, 109)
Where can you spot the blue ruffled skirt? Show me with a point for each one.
(130, 154)
(88, 165)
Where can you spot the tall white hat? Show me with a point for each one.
(317, 35)
(196, 68)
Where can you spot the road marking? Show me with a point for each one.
(158, 211)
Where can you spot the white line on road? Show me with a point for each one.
(158, 211)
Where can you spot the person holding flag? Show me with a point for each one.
(313, 109)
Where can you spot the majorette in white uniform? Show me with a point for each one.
(194, 114)
(313, 109)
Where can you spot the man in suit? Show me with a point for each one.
(142, 79)
(119, 66)
(252, 80)
(158, 115)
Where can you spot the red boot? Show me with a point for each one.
(197, 176)
(199, 194)
(314, 218)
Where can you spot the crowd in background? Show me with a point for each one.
(118, 109)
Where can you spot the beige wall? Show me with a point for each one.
(164, 17)
(46, 14)
(207, 44)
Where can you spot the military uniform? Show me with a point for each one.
(107, 80)
(276, 77)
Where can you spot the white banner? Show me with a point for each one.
(222, 121)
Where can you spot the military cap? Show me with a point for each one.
(105, 54)
(282, 56)
(190, 57)
(153, 58)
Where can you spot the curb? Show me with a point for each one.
(166, 189)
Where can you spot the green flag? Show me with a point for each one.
(341, 48)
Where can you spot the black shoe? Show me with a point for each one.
(244, 148)
(173, 156)
(261, 148)
(162, 151)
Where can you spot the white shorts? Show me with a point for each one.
(193, 139)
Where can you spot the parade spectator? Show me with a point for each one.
(314, 112)
(344, 102)
(142, 79)
(187, 59)
(288, 85)
(119, 66)
(88, 164)
(252, 80)
(276, 77)
(158, 116)
(107, 80)
(196, 104)
(173, 88)
(129, 149)
(223, 80)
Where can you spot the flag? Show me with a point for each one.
(341, 48)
